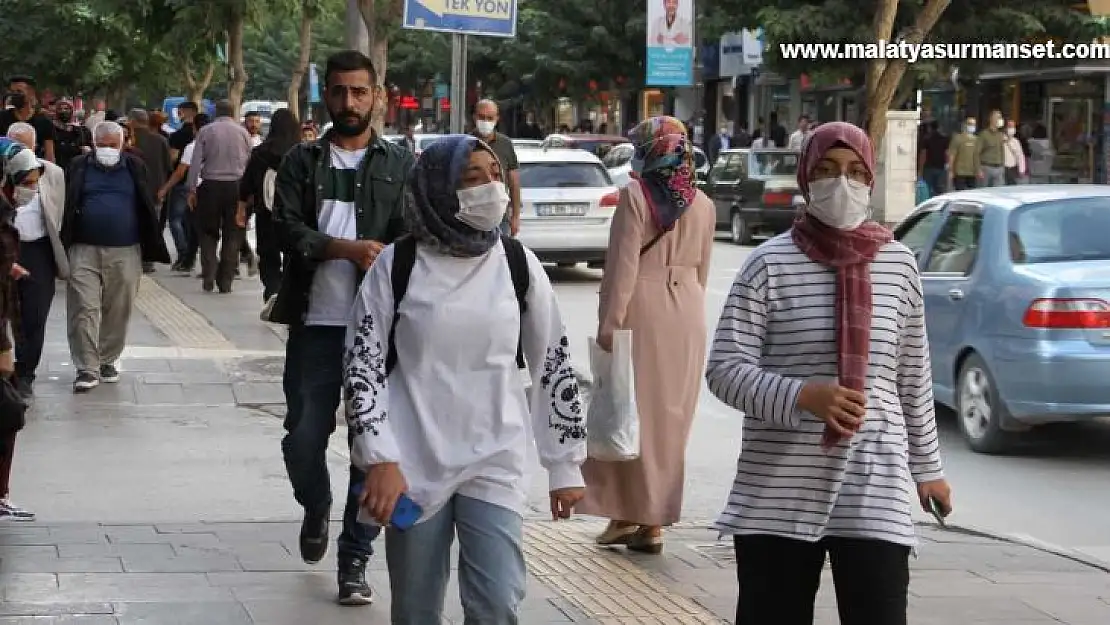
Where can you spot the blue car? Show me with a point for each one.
(1017, 305)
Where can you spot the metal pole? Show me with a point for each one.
(458, 82)
(357, 37)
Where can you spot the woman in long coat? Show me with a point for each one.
(656, 271)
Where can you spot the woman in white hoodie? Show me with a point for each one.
(437, 406)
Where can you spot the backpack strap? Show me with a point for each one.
(404, 257)
(650, 244)
(518, 271)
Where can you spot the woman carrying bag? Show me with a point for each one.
(656, 270)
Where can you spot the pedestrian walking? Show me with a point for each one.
(219, 159)
(338, 201)
(182, 218)
(964, 168)
(109, 228)
(22, 105)
(992, 141)
(38, 219)
(71, 139)
(822, 346)
(256, 195)
(154, 149)
(656, 270)
(441, 327)
(486, 116)
(1013, 155)
(19, 169)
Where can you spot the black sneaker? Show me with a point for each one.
(314, 535)
(86, 381)
(353, 589)
(25, 388)
(109, 374)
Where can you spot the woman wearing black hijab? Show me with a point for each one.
(256, 192)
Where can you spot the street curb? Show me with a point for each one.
(1025, 541)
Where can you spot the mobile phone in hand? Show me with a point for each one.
(936, 510)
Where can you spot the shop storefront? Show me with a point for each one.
(1066, 106)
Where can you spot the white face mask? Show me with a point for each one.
(24, 195)
(483, 207)
(485, 128)
(1011, 131)
(108, 157)
(839, 203)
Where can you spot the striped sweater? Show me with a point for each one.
(776, 331)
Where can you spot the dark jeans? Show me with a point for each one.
(182, 227)
(959, 183)
(1012, 175)
(937, 180)
(36, 294)
(217, 201)
(779, 578)
(313, 384)
(7, 454)
(269, 252)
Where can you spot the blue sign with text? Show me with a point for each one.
(493, 18)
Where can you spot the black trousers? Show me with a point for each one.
(779, 578)
(36, 294)
(269, 252)
(960, 183)
(217, 201)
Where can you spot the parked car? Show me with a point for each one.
(527, 143)
(598, 145)
(422, 140)
(568, 201)
(1017, 305)
(755, 191)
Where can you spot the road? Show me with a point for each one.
(1053, 490)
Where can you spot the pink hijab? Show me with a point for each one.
(826, 136)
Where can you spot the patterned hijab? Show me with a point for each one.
(666, 172)
(432, 204)
(17, 162)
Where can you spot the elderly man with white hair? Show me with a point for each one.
(110, 227)
(38, 219)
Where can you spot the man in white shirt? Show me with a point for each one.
(798, 137)
(38, 218)
(671, 30)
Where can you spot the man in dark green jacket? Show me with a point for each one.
(337, 202)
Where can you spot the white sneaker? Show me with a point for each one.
(86, 381)
(9, 510)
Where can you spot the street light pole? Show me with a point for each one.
(458, 82)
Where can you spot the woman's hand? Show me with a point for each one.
(241, 214)
(7, 363)
(19, 271)
(939, 490)
(563, 501)
(384, 485)
(842, 409)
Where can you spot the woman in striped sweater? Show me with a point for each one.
(822, 346)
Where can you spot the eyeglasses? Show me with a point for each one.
(828, 169)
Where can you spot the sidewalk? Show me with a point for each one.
(163, 500)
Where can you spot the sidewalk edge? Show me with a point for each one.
(1025, 541)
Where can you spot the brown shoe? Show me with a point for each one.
(646, 541)
(616, 534)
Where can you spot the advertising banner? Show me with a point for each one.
(670, 43)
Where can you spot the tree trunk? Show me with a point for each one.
(381, 18)
(194, 86)
(238, 80)
(882, 28)
(297, 76)
(886, 83)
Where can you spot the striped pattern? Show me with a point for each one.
(776, 331)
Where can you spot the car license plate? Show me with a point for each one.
(561, 210)
(799, 200)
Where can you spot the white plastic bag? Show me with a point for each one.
(612, 422)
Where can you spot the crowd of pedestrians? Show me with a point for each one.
(412, 308)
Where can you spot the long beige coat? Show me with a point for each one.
(661, 298)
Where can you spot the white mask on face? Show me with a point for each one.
(1011, 131)
(839, 203)
(108, 157)
(485, 128)
(24, 195)
(483, 207)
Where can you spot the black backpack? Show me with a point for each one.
(404, 257)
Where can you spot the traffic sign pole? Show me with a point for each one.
(458, 83)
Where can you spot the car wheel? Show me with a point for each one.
(738, 230)
(979, 409)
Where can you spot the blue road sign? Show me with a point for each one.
(493, 18)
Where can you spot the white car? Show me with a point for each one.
(619, 163)
(422, 141)
(527, 143)
(568, 203)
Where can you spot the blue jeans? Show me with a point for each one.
(313, 383)
(492, 574)
(937, 179)
(181, 227)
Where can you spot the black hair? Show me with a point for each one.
(253, 114)
(349, 61)
(189, 105)
(285, 132)
(1040, 132)
(27, 80)
(224, 108)
(200, 120)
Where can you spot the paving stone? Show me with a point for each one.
(132, 534)
(130, 550)
(218, 394)
(1072, 610)
(212, 613)
(148, 365)
(13, 608)
(61, 565)
(258, 393)
(181, 564)
(74, 619)
(302, 610)
(139, 587)
(148, 394)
